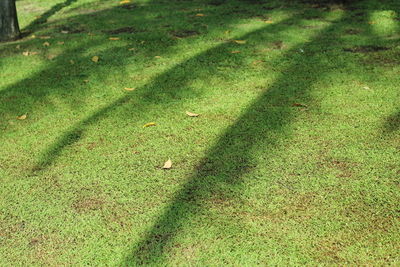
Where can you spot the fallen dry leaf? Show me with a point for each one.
(268, 21)
(167, 164)
(149, 124)
(114, 38)
(125, 2)
(256, 62)
(129, 89)
(46, 44)
(190, 114)
(299, 105)
(235, 52)
(200, 15)
(64, 32)
(44, 37)
(95, 59)
(51, 56)
(22, 117)
(240, 41)
(278, 44)
(27, 53)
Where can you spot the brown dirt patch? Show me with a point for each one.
(88, 204)
(122, 30)
(184, 33)
(366, 49)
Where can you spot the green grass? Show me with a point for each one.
(294, 159)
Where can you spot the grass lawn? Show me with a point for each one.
(294, 158)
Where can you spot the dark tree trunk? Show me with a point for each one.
(9, 28)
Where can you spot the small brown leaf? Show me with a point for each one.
(129, 88)
(46, 44)
(51, 56)
(240, 41)
(299, 105)
(125, 2)
(278, 44)
(44, 37)
(190, 114)
(200, 15)
(95, 59)
(22, 117)
(114, 38)
(268, 21)
(257, 62)
(149, 124)
(27, 53)
(167, 164)
(64, 32)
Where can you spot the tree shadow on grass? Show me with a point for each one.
(220, 173)
(196, 67)
(174, 80)
(62, 80)
(36, 24)
(392, 123)
(267, 120)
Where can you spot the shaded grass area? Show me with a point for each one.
(288, 163)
